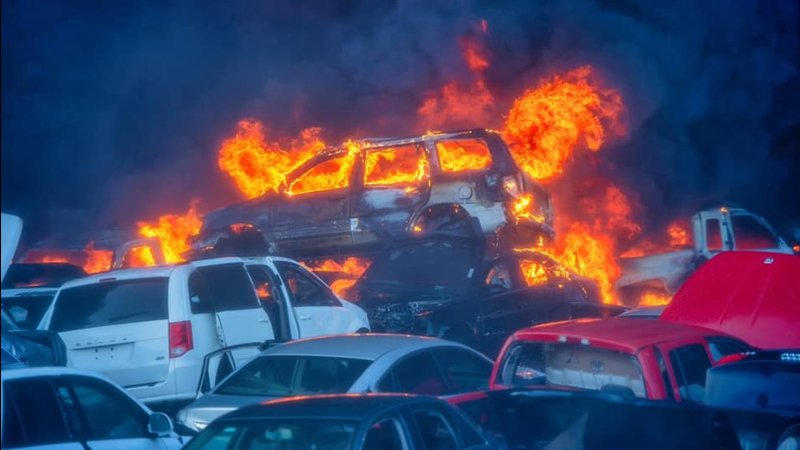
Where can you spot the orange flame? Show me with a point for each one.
(173, 232)
(545, 125)
(461, 103)
(533, 272)
(139, 257)
(347, 271)
(461, 155)
(397, 165)
(329, 175)
(679, 236)
(49, 259)
(258, 166)
(97, 260)
(654, 299)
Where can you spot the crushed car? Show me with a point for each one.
(359, 197)
(448, 287)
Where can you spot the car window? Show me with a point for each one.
(304, 289)
(40, 275)
(199, 294)
(749, 234)
(330, 174)
(229, 287)
(273, 376)
(690, 363)
(109, 414)
(276, 434)
(32, 414)
(662, 368)
(721, 347)
(534, 272)
(404, 164)
(470, 437)
(110, 303)
(713, 236)
(563, 364)
(456, 155)
(417, 374)
(27, 310)
(266, 288)
(435, 431)
(384, 434)
(464, 371)
(498, 278)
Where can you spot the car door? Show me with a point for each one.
(117, 327)
(433, 429)
(238, 315)
(688, 363)
(315, 210)
(32, 417)
(270, 292)
(316, 308)
(388, 432)
(110, 419)
(503, 297)
(392, 183)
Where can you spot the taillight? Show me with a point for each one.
(180, 338)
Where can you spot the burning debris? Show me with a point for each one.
(173, 232)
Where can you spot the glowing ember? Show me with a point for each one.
(462, 155)
(173, 232)
(654, 299)
(545, 125)
(258, 166)
(139, 257)
(329, 175)
(97, 260)
(345, 272)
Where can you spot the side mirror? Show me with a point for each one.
(159, 424)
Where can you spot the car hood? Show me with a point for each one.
(751, 295)
(209, 407)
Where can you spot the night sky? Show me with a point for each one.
(113, 112)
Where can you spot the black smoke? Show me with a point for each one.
(113, 112)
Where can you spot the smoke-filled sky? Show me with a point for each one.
(113, 112)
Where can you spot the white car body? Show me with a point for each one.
(139, 356)
(20, 414)
(383, 352)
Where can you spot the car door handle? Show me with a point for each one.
(304, 317)
(263, 320)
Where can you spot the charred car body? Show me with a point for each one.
(358, 197)
(445, 287)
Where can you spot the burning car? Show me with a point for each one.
(360, 196)
(447, 287)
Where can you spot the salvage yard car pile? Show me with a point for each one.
(250, 350)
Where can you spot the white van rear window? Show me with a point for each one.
(110, 303)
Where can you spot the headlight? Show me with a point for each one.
(511, 186)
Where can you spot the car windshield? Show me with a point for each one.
(277, 433)
(27, 310)
(282, 376)
(40, 275)
(110, 303)
(580, 366)
(430, 264)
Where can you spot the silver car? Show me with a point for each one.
(353, 363)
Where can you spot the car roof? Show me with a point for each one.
(340, 406)
(147, 272)
(617, 332)
(32, 372)
(369, 346)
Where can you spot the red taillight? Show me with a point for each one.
(180, 338)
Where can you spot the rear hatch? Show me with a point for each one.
(751, 295)
(116, 327)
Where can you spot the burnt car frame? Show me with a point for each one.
(491, 197)
(450, 288)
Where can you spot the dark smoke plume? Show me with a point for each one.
(113, 112)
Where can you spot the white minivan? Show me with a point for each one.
(148, 329)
